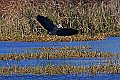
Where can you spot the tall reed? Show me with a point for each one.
(89, 17)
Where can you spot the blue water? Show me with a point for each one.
(56, 62)
(111, 44)
(62, 77)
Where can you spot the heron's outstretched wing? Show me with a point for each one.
(66, 32)
(46, 23)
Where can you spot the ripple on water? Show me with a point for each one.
(62, 77)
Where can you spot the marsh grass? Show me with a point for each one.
(94, 20)
(63, 52)
(18, 20)
(64, 69)
(111, 64)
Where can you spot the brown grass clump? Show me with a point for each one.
(91, 18)
(56, 70)
(61, 54)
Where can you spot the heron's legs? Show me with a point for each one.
(54, 41)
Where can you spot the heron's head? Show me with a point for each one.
(59, 26)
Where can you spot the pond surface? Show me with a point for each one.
(62, 77)
(111, 44)
(56, 62)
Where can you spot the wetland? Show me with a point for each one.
(27, 52)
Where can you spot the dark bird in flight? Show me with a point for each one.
(54, 29)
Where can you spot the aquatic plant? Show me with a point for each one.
(78, 53)
(64, 69)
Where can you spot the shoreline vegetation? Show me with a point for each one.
(55, 55)
(95, 20)
(112, 65)
(65, 69)
(62, 52)
(48, 38)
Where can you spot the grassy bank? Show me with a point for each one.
(91, 18)
(47, 38)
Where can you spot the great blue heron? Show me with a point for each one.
(54, 29)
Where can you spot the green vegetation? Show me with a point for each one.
(91, 18)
